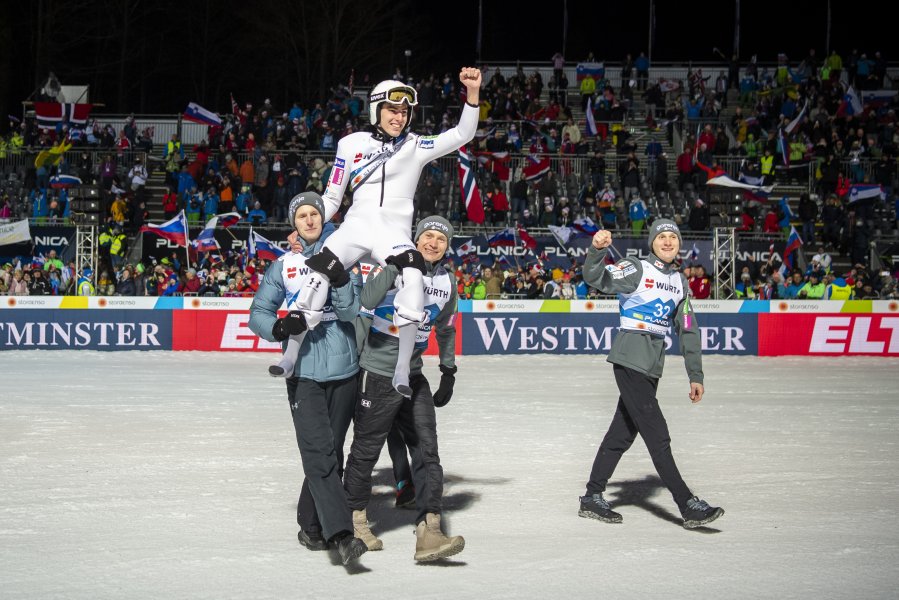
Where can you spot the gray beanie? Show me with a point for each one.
(310, 198)
(660, 225)
(437, 223)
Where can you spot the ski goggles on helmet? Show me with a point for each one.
(397, 95)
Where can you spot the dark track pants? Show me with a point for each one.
(321, 417)
(379, 405)
(638, 412)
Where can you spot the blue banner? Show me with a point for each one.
(591, 333)
(77, 329)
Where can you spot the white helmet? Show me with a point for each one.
(394, 92)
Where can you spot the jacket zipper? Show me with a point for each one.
(383, 176)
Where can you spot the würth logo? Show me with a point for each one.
(649, 283)
(291, 272)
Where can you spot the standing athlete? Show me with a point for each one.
(652, 296)
(382, 171)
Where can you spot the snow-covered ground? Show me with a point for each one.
(175, 475)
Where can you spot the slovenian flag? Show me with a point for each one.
(174, 230)
(503, 237)
(226, 220)
(864, 191)
(471, 195)
(263, 248)
(794, 243)
(205, 242)
(64, 181)
(851, 104)
(585, 225)
(596, 70)
(197, 114)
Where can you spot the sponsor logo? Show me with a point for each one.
(436, 292)
(649, 283)
(339, 163)
(337, 176)
(855, 335)
(426, 143)
(236, 335)
(291, 272)
(365, 403)
(377, 97)
(80, 334)
(502, 334)
(658, 264)
(50, 240)
(722, 338)
(664, 285)
(357, 158)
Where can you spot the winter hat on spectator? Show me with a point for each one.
(526, 213)
(660, 225)
(306, 198)
(436, 223)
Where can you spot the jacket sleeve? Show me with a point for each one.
(621, 278)
(345, 299)
(264, 309)
(446, 331)
(428, 148)
(378, 284)
(336, 186)
(687, 330)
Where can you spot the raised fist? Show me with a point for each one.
(602, 239)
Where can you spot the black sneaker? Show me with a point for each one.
(405, 495)
(312, 540)
(596, 507)
(698, 513)
(349, 547)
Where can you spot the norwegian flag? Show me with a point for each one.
(496, 162)
(526, 240)
(535, 167)
(50, 113)
(235, 109)
(471, 195)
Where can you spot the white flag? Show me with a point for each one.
(12, 233)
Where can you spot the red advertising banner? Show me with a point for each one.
(813, 334)
(229, 331)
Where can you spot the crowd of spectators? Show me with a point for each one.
(259, 158)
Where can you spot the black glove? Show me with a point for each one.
(327, 263)
(293, 323)
(447, 381)
(408, 259)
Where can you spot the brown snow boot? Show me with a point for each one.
(362, 531)
(431, 544)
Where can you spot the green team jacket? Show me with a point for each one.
(639, 351)
(378, 351)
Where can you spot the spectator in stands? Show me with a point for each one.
(39, 285)
(257, 216)
(699, 219)
(814, 287)
(191, 284)
(17, 285)
(833, 219)
(700, 284)
(126, 284)
(637, 212)
(552, 289)
(499, 205)
(630, 177)
(520, 196)
(528, 219)
(684, 168)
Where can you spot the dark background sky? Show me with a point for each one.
(155, 57)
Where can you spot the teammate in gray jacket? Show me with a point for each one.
(380, 404)
(322, 391)
(653, 298)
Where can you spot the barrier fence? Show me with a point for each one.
(762, 328)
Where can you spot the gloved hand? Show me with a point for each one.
(447, 380)
(293, 323)
(327, 263)
(408, 259)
